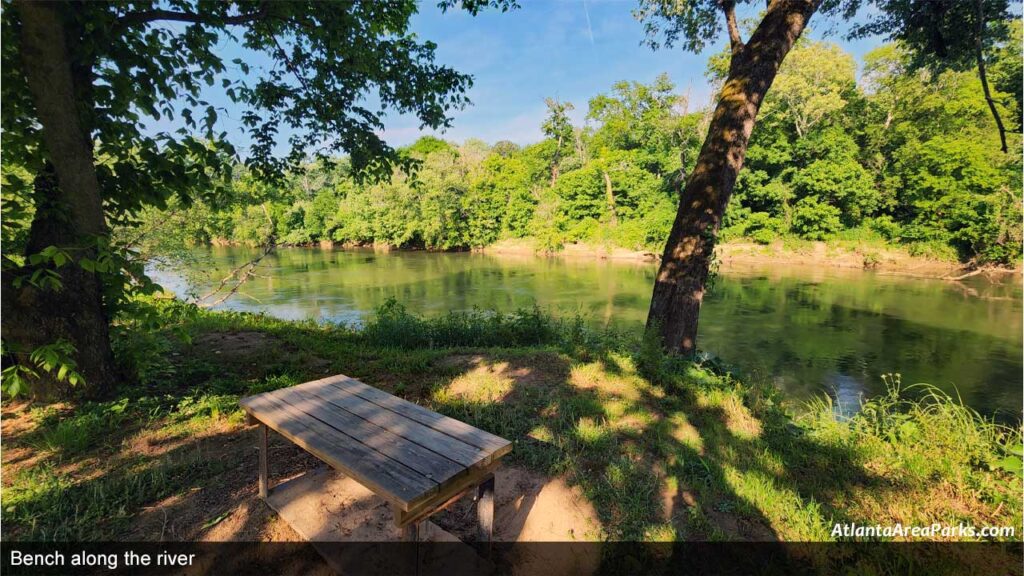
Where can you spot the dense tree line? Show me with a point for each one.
(904, 155)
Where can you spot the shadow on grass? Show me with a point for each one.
(656, 464)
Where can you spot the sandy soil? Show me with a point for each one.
(818, 254)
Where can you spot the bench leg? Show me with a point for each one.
(411, 532)
(485, 515)
(411, 535)
(261, 445)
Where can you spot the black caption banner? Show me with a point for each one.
(526, 559)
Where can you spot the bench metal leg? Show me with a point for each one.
(485, 516)
(261, 445)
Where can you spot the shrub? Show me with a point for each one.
(886, 227)
(815, 220)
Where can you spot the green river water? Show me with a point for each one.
(810, 330)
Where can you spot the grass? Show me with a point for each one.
(662, 448)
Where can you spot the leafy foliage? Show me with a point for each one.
(144, 75)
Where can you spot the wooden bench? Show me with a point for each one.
(417, 459)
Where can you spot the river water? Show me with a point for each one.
(810, 330)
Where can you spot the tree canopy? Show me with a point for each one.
(108, 109)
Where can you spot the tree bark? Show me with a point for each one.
(679, 286)
(69, 214)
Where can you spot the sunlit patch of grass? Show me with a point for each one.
(660, 533)
(684, 432)
(490, 384)
(594, 436)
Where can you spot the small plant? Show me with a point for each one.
(87, 428)
(55, 359)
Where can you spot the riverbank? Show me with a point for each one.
(879, 258)
(638, 445)
(874, 256)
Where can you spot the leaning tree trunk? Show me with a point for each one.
(679, 287)
(69, 215)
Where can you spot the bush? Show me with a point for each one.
(764, 228)
(815, 220)
(886, 227)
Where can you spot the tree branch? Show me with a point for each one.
(291, 66)
(729, 7)
(980, 48)
(146, 16)
(242, 273)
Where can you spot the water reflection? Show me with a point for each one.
(808, 329)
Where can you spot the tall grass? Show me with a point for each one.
(87, 428)
(395, 327)
(917, 434)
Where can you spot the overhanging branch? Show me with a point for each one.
(146, 16)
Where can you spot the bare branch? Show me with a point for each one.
(291, 65)
(986, 270)
(243, 273)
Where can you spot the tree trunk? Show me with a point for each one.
(69, 215)
(679, 287)
(610, 198)
(554, 163)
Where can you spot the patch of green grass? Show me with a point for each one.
(48, 505)
(90, 426)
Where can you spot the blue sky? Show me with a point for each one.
(569, 49)
(572, 50)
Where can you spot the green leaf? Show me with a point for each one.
(216, 520)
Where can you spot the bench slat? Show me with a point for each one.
(430, 464)
(388, 478)
(453, 448)
(496, 445)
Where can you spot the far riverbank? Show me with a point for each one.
(837, 254)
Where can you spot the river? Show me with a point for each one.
(810, 330)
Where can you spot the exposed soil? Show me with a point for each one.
(226, 509)
(818, 254)
(529, 507)
(235, 343)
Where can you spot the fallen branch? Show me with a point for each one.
(986, 270)
(243, 273)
